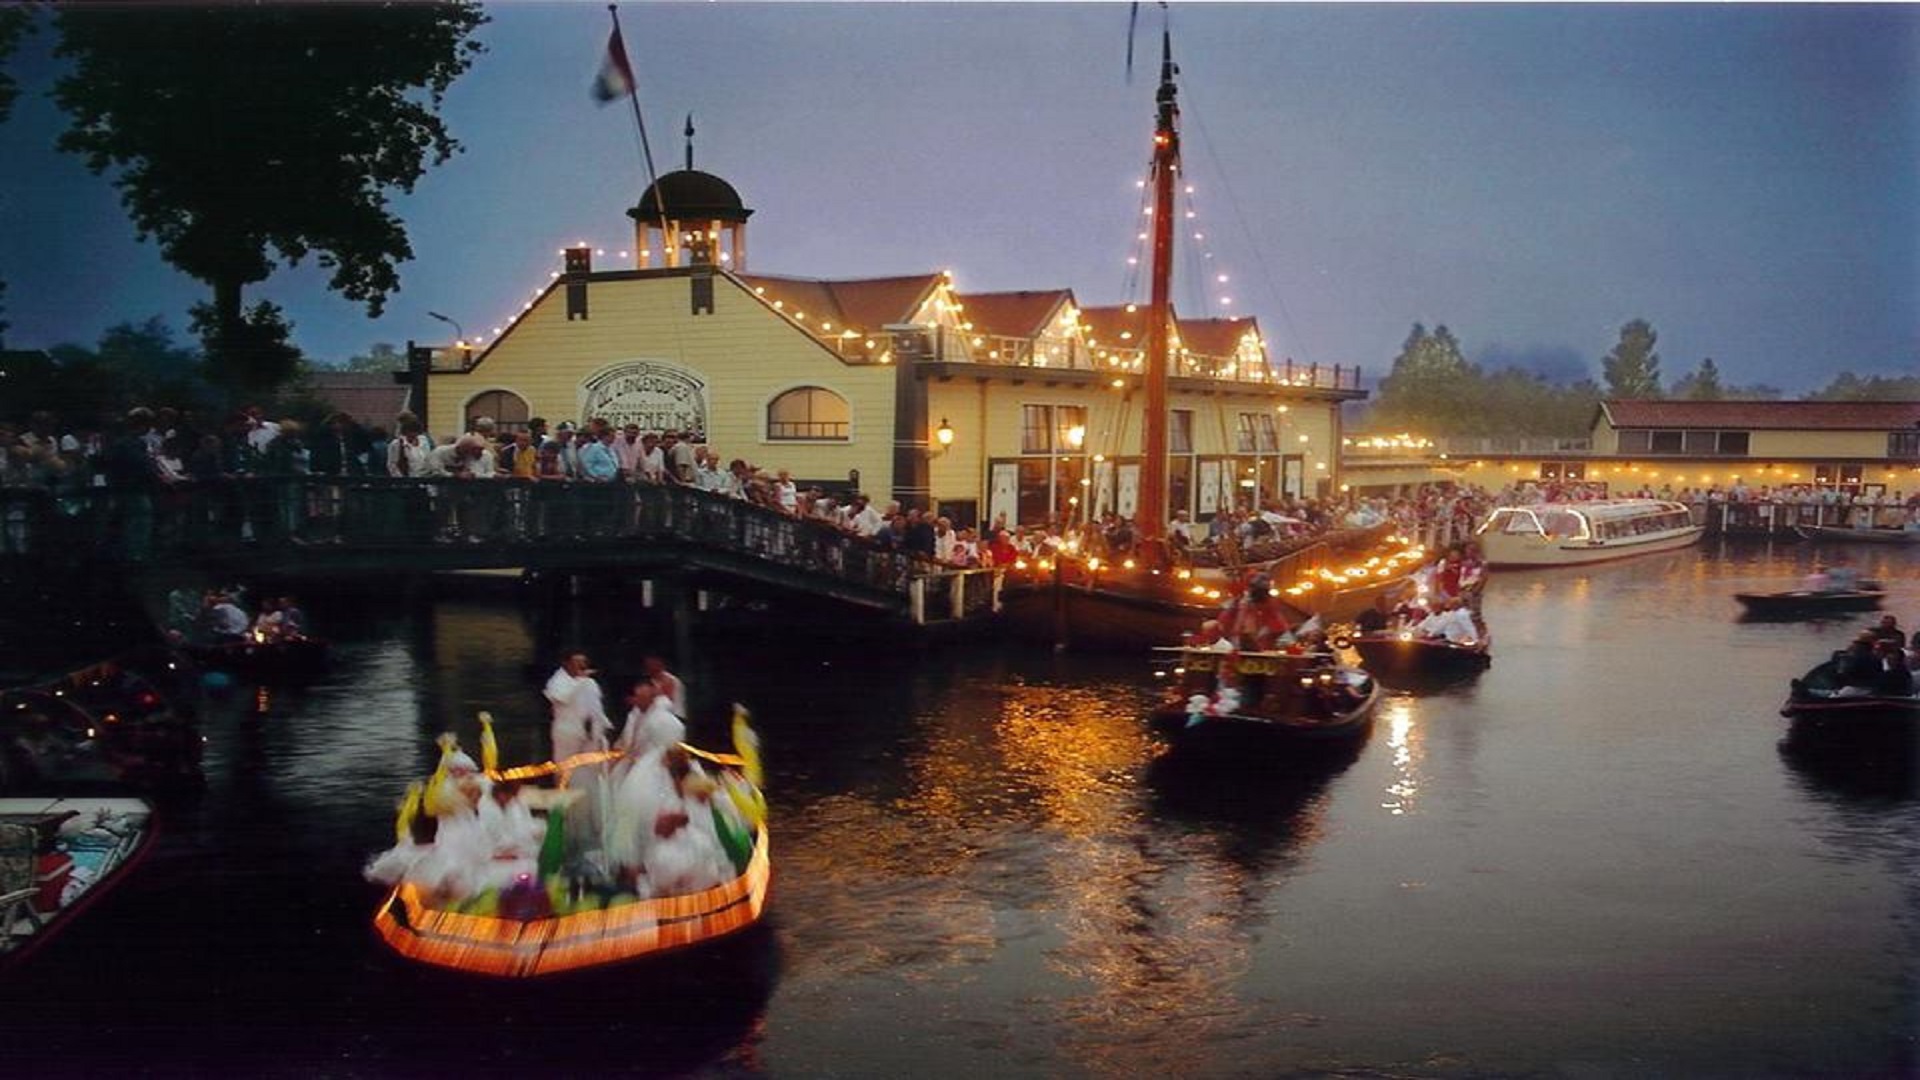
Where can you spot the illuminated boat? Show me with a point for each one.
(1578, 533)
(1220, 697)
(1808, 603)
(502, 942)
(59, 856)
(496, 945)
(1399, 657)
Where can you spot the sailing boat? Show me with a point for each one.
(1148, 601)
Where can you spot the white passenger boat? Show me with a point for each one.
(1575, 533)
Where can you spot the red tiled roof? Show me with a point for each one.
(1013, 314)
(1780, 415)
(864, 304)
(1118, 327)
(1202, 337)
(371, 397)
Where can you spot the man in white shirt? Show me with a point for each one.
(864, 519)
(579, 716)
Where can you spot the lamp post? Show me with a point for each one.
(460, 336)
(1281, 480)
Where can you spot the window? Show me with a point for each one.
(1668, 442)
(507, 409)
(1249, 440)
(1904, 445)
(1636, 442)
(1735, 442)
(1070, 428)
(1036, 434)
(1701, 442)
(1180, 431)
(809, 414)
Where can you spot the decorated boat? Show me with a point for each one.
(1865, 536)
(1402, 657)
(59, 856)
(1809, 603)
(1221, 696)
(108, 728)
(541, 910)
(1821, 704)
(257, 658)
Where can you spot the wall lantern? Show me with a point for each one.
(943, 434)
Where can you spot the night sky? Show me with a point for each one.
(1745, 177)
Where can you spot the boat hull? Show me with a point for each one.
(1398, 661)
(303, 658)
(1803, 604)
(1864, 536)
(1534, 552)
(1239, 729)
(96, 842)
(516, 948)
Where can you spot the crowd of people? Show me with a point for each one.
(220, 616)
(636, 816)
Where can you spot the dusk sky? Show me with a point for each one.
(1745, 177)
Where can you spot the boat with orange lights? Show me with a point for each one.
(532, 909)
(1227, 697)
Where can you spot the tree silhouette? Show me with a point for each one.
(243, 135)
(1632, 369)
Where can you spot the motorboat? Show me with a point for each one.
(1865, 536)
(1807, 603)
(1552, 534)
(1403, 657)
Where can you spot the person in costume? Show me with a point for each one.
(579, 718)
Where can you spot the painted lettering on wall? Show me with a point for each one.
(657, 396)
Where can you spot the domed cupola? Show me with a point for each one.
(695, 217)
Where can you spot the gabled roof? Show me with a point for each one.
(1120, 326)
(1014, 314)
(1774, 415)
(1216, 337)
(863, 304)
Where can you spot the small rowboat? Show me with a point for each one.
(1230, 697)
(496, 945)
(1402, 657)
(1818, 704)
(1865, 536)
(279, 660)
(1807, 603)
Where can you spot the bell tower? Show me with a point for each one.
(690, 217)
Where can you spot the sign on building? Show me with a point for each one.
(655, 395)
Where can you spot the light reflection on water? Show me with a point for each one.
(1592, 858)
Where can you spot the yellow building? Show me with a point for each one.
(1858, 447)
(1023, 406)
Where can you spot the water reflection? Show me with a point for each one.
(1406, 742)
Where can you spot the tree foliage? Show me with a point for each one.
(1702, 384)
(133, 363)
(256, 354)
(381, 357)
(1632, 369)
(15, 21)
(244, 135)
(1848, 386)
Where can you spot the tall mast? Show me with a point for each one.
(1150, 519)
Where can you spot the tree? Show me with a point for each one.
(1632, 369)
(256, 354)
(246, 134)
(382, 357)
(1431, 386)
(14, 24)
(1701, 385)
(1847, 386)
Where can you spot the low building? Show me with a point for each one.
(1853, 447)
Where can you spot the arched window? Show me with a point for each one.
(809, 414)
(508, 410)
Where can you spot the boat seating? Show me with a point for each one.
(18, 888)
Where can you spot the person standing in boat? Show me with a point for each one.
(579, 718)
(1256, 620)
(655, 671)
(1889, 630)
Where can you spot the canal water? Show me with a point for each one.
(1594, 860)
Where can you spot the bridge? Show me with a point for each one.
(333, 526)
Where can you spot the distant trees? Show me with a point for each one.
(1701, 385)
(132, 364)
(381, 357)
(242, 135)
(1632, 369)
(1850, 387)
(1434, 390)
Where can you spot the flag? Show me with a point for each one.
(616, 75)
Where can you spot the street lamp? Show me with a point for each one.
(943, 434)
(459, 334)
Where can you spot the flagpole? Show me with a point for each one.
(646, 148)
